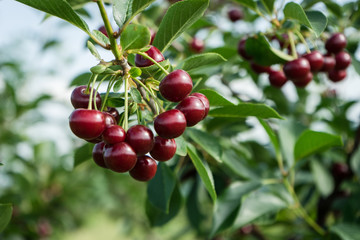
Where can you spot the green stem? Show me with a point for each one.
(292, 44)
(150, 92)
(155, 62)
(93, 77)
(111, 83)
(303, 41)
(126, 113)
(97, 88)
(109, 30)
(99, 43)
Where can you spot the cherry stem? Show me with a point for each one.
(292, 44)
(151, 94)
(126, 114)
(93, 78)
(155, 62)
(97, 88)
(111, 83)
(303, 41)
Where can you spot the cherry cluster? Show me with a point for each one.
(122, 151)
(300, 71)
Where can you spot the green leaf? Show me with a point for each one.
(153, 70)
(317, 20)
(206, 141)
(81, 79)
(135, 72)
(237, 165)
(272, 136)
(135, 95)
(161, 187)
(120, 9)
(215, 99)
(248, 3)
(269, 5)
(136, 7)
(100, 37)
(323, 180)
(93, 50)
(346, 231)
(355, 162)
(83, 153)
(135, 36)
(115, 100)
(201, 60)
(311, 142)
(58, 8)
(203, 170)
(177, 19)
(181, 148)
(228, 205)
(245, 110)
(5, 215)
(117, 86)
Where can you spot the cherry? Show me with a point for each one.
(87, 124)
(79, 99)
(342, 60)
(145, 169)
(119, 157)
(235, 14)
(340, 171)
(164, 149)
(259, 68)
(113, 112)
(204, 100)
(154, 53)
(140, 138)
(176, 86)
(277, 78)
(197, 45)
(242, 49)
(336, 43)
(193, 109)
(303, 81)
(170, 124)
(102, 29)
(97, 154)
(329, 63)
(109, 121)
(114, 134)
(337, 75)
(297, 69)
(315, 59)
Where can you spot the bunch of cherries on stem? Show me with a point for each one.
(122, 151)
(300, 71)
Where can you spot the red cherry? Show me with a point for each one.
(170, 124)
(140, 138)
(277, 78)
(164, 149)
(242, 49)
(337, 75)
(109, 121)
(119, 157)
(79, 99)
(145, 169)
(259, 68)
(342, 60)
(154, 53)
(315, 59)
(204, 100)
(235, 14)
(102, 29)
(297, 69)
(114, 134)
(336, 43)
(114, 112)
(176, 86)
(304, 81)
(97, 154)
(329, 63)
(197, 45)
(87, 124)
(340, 171)
(193, 109)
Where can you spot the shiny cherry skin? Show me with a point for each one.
(235, 14)
(98, 154)
(145, 169)
(242, 50)
(342, 60)
(259, 68)
(140, 138)
(197, 45)
(304, 81)
(277, 78)
(336, 43)
(329, 63)
(193, 109)
(113, 112)
(79, 99)
(204, 100)
(87, 124)
(297, 69)
(114, 134)
(164, 149)
(102, 29)
(119, 157)
(170, 124)
(337, 75)
(154, 53)
(315, 59)
(109, 121)
(176, 86)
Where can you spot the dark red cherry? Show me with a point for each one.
(102, 29)
(176, 86)
(114, 112)
(119, 157)
(329, 63)
(259, 68)
(297, 69)
(340, 171)
(342, 60)
(315, 59)
(193, 109)
(87, 124)
(97, 154)
(109, 121)
(242, 49)
(170, 124)
(197, 45)
(164, 149)
(154, 53)
(204, 100)
(80, 99)
(145, 169)
(304, 81)
(337, 75)
(235, 14)
(336, 43)
(114, 134)
(277, 78)
(140, 138)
